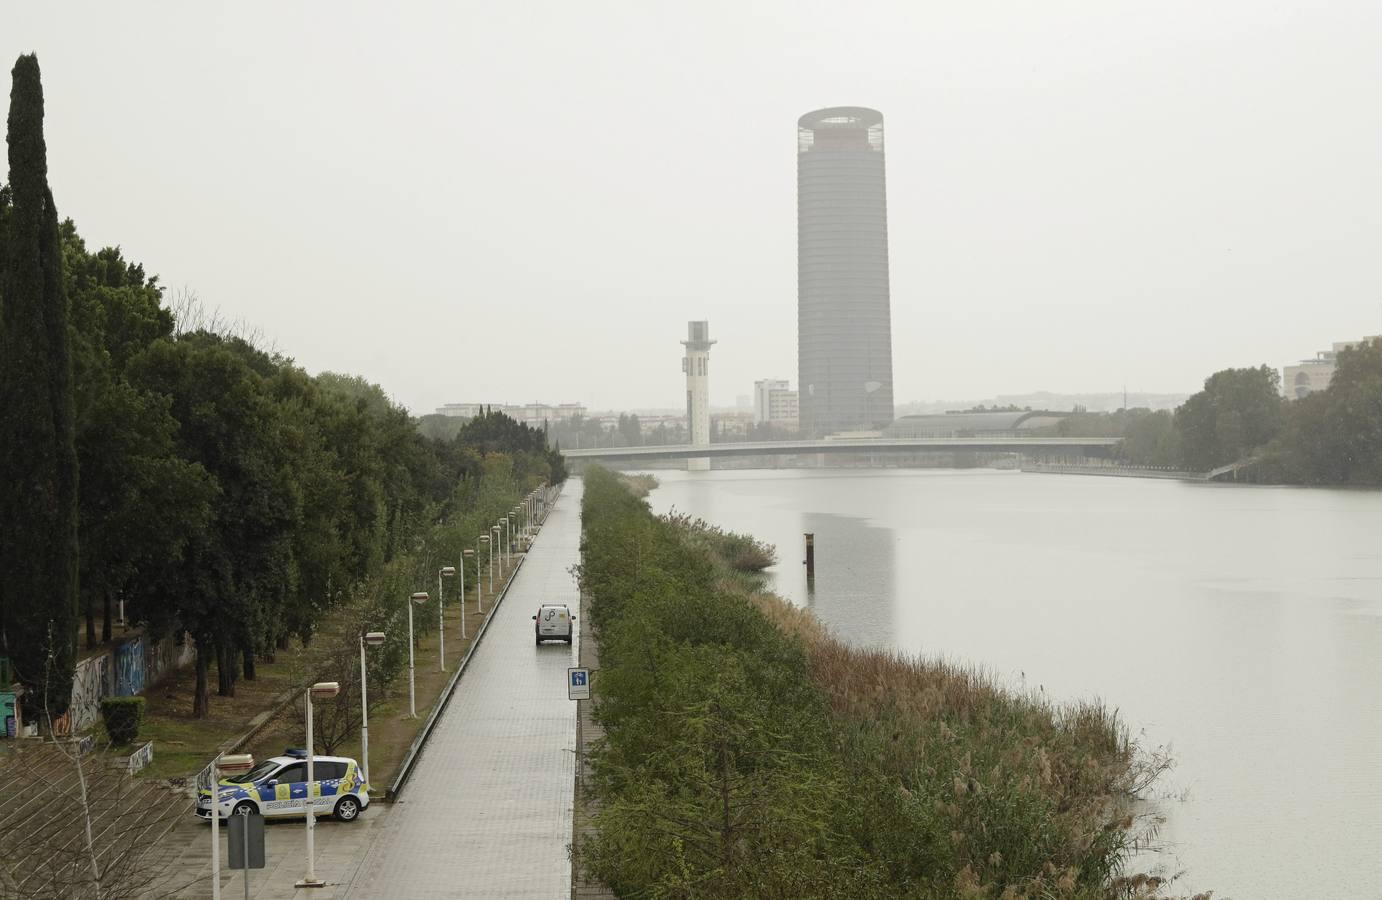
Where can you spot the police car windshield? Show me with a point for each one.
(254, 774)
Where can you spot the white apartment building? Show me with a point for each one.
(774, 403)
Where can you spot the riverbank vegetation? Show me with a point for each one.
(749, 753)
(1332, 436)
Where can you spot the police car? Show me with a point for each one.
(278, 787)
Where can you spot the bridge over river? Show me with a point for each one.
(1030, 446)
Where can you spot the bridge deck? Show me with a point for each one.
(851, 445)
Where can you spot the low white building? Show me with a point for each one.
(1311, 375)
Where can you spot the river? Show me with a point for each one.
(1239, 626)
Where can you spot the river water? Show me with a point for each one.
(1239, 626)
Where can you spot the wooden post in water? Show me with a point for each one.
(810, 555)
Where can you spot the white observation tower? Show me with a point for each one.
(696, 365)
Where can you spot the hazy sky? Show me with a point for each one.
(527, 201)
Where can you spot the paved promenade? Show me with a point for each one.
(487, 810)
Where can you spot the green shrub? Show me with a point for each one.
(122, 717)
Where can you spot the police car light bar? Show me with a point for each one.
(295, 752)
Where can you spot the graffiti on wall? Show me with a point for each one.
(126, 670)
(164, 656)
(129, 668)
(92, 681)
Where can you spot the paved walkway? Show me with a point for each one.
(487, 810)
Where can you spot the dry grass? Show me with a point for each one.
(640, 485)
(948, 735)
(740, 552)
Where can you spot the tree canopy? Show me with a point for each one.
(38, 455)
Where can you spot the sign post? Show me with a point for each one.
(246, 844)
(578, 683)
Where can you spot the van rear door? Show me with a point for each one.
(554, 620)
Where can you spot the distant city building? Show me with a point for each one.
(1311, 375)
(774, 403)
(696, 365)
(534, 414)
(972, 424)
(844, 325)
(735, 424)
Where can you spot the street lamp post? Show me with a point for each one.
(420, 597)
(479, 581)
(508, 542)
(373, 639)
(224, 765)
(465, 555)
(493, 539)
(447, 572)
(322, 690)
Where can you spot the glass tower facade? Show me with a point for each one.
(844, 325)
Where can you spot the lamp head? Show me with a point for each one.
(467, 552)
(448, 571)
(324, 690)
(420, 597)
(374, 638)
(235, 763)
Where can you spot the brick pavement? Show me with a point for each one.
(487, 810)
(340, 848)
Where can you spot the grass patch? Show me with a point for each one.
(183, 743)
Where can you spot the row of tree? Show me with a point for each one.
(218, 489)
(1332, 436)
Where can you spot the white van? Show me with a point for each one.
(553, 622)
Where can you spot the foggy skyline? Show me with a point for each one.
(1081, 197)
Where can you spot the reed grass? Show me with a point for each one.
(740, 552)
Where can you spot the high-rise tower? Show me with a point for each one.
(696, 365)
(844, 326)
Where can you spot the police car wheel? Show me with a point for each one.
(347, 809)
(244, 808)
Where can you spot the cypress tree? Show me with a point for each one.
(38, 456)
